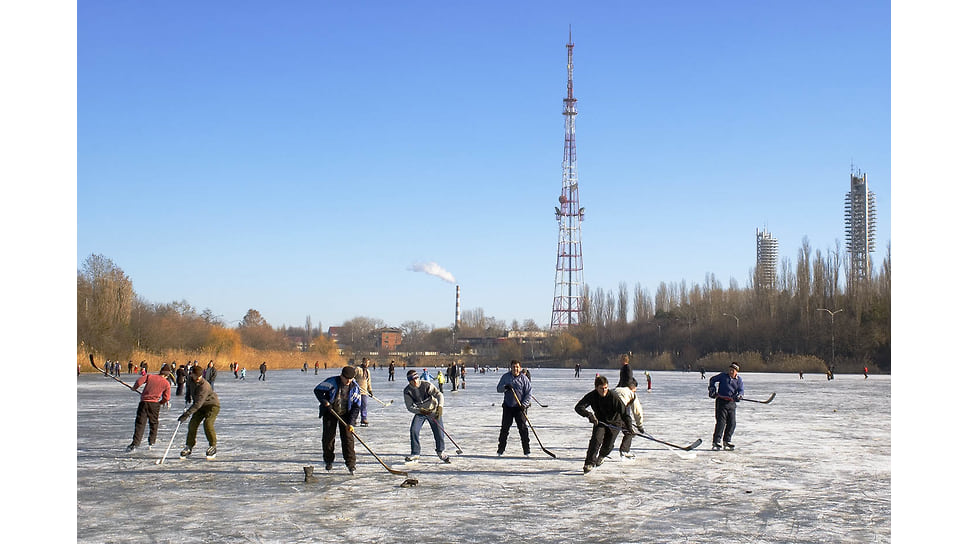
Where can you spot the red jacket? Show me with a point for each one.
(157, 388)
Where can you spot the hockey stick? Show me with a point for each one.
(91, 356)
(538, 402)
(436, 422)
(525, 414)
(390, 470)
(767, 401)
(372, 396)
(170, 442)
(692, 446)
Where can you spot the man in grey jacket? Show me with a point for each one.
(205, 407)
(427, 404)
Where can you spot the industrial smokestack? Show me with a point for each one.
(457, 312)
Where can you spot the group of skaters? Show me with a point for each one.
(343, 400)
(202, 404)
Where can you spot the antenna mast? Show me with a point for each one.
(569, 281)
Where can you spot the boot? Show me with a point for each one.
(309, 475)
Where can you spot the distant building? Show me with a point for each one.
(388, 338)
(766, 252)
(860, 217)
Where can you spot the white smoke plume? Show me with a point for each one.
(433, 269)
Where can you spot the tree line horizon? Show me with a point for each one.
(808, 316)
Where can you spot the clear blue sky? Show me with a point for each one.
(298, 158)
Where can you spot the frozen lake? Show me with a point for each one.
(812, 466)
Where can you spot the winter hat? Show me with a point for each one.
(165, 368)
(411, 374)
(735, 366)
(349, 372)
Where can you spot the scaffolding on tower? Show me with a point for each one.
(569, 300)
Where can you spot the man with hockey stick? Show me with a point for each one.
(426, 403)
(514, 382)
(634, 407)
(205, 408)
(727, 389)
(157, 392)
(339, 395)
(607, 412)
(366, 390)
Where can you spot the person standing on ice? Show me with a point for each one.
(366, 389)
(625, 371)
(339, 396)
(426, 403)
(634, 407)
(210, 373)
(514, 382)
(205, 408)
(262, 371)
(606, 409)
(727, 389)
(440, 380)
(157, 391)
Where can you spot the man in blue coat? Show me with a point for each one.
(341, 396)
(727, 389)
(514, 383)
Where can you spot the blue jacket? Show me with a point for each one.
(520, 385)
(725, 387)
(326, 393)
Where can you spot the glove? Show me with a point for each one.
(349, 428)
(507, 387)
(641, 429)
(183, 418)
(738, 398)
(712, 392)
(628, 430)
(439, 413)
(592, 419)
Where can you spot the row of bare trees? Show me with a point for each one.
(808, 312)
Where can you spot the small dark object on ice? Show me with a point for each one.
(409, 482)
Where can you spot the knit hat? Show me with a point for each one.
(165, 368)
(735, 366)
(349, 372)
(411, 374)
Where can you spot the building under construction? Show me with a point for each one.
(766, 251)
(860, 217)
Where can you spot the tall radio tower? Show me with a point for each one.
(569, 283)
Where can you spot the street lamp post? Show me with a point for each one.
(734, 317)
(832, 314)
(737, 329)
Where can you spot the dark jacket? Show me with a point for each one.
(521, 385)
(625, 375)
(326, 392)
(725, 387)
(608, 409)
(204, 395)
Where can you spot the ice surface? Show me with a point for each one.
(812, 466)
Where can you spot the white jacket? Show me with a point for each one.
(631, 402)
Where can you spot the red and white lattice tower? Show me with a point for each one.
(569, 283)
